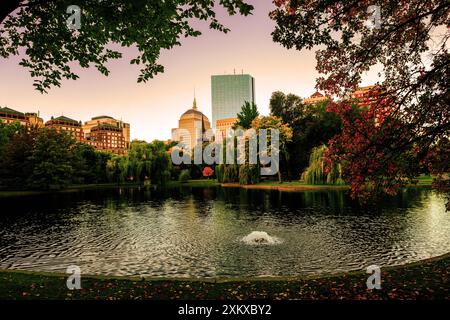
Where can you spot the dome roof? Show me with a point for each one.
(192, 112)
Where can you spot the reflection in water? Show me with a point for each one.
(199, 231)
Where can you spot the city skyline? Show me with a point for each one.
(247, 47)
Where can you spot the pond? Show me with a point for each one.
(213, 231)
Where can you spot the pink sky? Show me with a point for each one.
(154, 108)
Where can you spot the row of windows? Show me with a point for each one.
(12, 121)
(104, 144)
(12, 116)
(77, 129)
(72, 129)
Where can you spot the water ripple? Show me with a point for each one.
(198, 232)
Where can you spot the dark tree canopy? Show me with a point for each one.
(288, 107)
(311, 124)
(410, 46)
(38, 28)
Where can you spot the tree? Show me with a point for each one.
(318, 172)
(117, 169)
(161, 163)
(15, 166)
(145, 162)
(231, 173)
(411, 102)
(291, 110)
(43, 158)
(140, 160)
(289, 107)
(7, 131)
(312, 126)
(220, 172)
(248, 113)
(285, 136)
(89, 164)
(84, 163)
(184, 176)
(52, 158)
(39, 29)
(100, 168)
(249, 174)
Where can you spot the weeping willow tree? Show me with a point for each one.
(140, 161)
(117, 169)
(315, 173)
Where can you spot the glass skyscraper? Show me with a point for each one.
(229, 92)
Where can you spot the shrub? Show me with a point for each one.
(175, 173)
(219, 173)
(231, 173)
(248, 174)
(184, 176)
(165, 177)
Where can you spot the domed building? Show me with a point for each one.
(191, 127)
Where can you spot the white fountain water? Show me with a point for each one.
(260, 237)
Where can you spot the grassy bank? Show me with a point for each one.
(422, 181)
(286, 186)
(194, 183)
(428, 279)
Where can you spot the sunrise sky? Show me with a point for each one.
(154, 108)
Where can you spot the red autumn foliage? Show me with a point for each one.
(208, 172)
(402, 130)
(363, 145)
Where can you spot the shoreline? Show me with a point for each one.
(292, 186)
(424, 279)
(287, 187)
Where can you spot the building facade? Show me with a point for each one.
(192, 127)
(68, 125)
(367, 95)
(34, 119)
(315, 98)
(222, 128)
(8, 116)
(363, 96)
(107, 137)
(95, 121)
(228, 94)
(104, 133)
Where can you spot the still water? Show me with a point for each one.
(203, 232)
